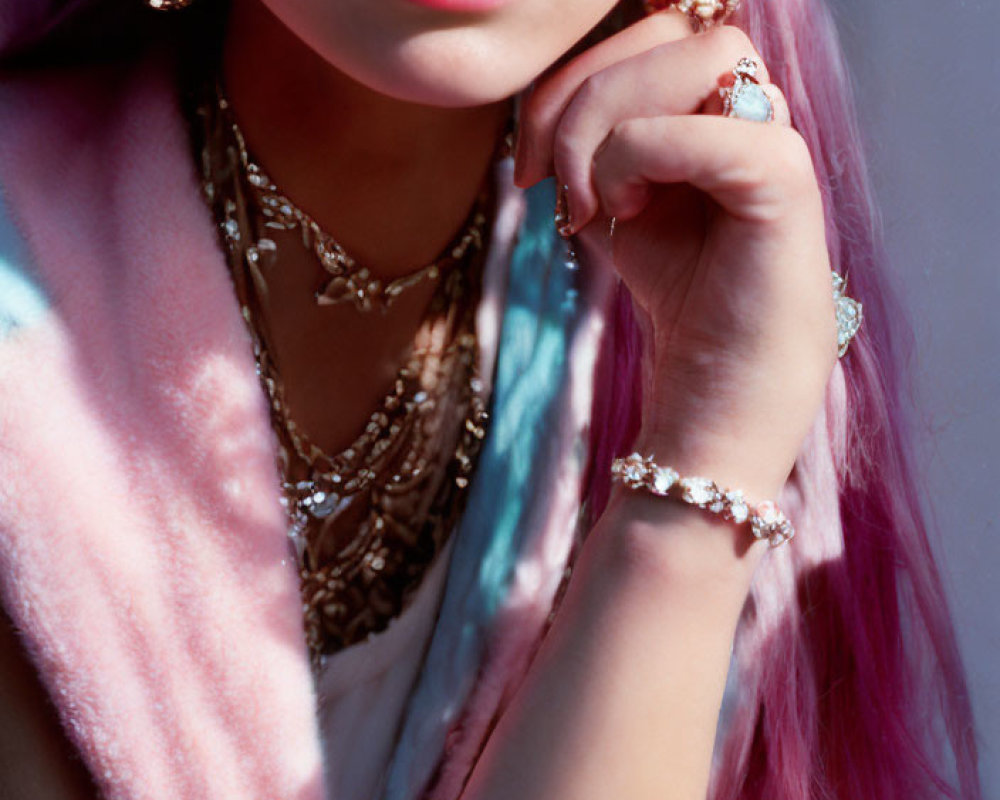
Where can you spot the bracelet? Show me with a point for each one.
(642, 473)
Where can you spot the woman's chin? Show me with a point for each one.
(459, 66)
(452, 78)
(450, 94)
(434, 57)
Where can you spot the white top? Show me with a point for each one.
(363, 690)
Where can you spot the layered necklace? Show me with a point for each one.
(365, 523)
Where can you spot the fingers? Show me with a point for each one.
(659, 69)
(675, 78)
(756, 172)
(549, 99)
(680, 77)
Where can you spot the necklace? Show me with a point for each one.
(365, 524)
(347, 281)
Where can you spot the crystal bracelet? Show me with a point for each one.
(642, 473)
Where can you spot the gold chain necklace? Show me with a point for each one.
(365, 523)
(347, 281)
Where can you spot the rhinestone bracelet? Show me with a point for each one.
(641, 472)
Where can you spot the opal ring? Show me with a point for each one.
(746, 98)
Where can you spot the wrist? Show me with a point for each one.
(641, 536)
(641, 473)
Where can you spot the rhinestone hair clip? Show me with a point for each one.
(641, 473)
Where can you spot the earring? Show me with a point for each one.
(168, 5)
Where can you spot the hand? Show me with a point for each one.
(719, 236)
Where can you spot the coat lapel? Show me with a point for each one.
(150, 575)
(142, 546)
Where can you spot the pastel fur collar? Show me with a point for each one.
(142, 546)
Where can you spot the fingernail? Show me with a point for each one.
(563, 220)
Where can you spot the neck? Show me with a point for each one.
(392, 181)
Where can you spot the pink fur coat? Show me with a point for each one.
(142, 547)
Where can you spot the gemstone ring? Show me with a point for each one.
(746, 98)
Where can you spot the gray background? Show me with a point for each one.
(927, 78)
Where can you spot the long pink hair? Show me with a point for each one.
(847, 680)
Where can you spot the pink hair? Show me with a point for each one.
(847, 679)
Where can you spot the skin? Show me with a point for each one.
(731, 207)
(717, 219)
(719, 236)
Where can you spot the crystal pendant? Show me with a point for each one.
(320, 504)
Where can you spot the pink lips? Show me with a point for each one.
(461, 5)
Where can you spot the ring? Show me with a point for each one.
(849, 316)
(746, 98)
(704, 13)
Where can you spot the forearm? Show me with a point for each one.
(623, 698)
